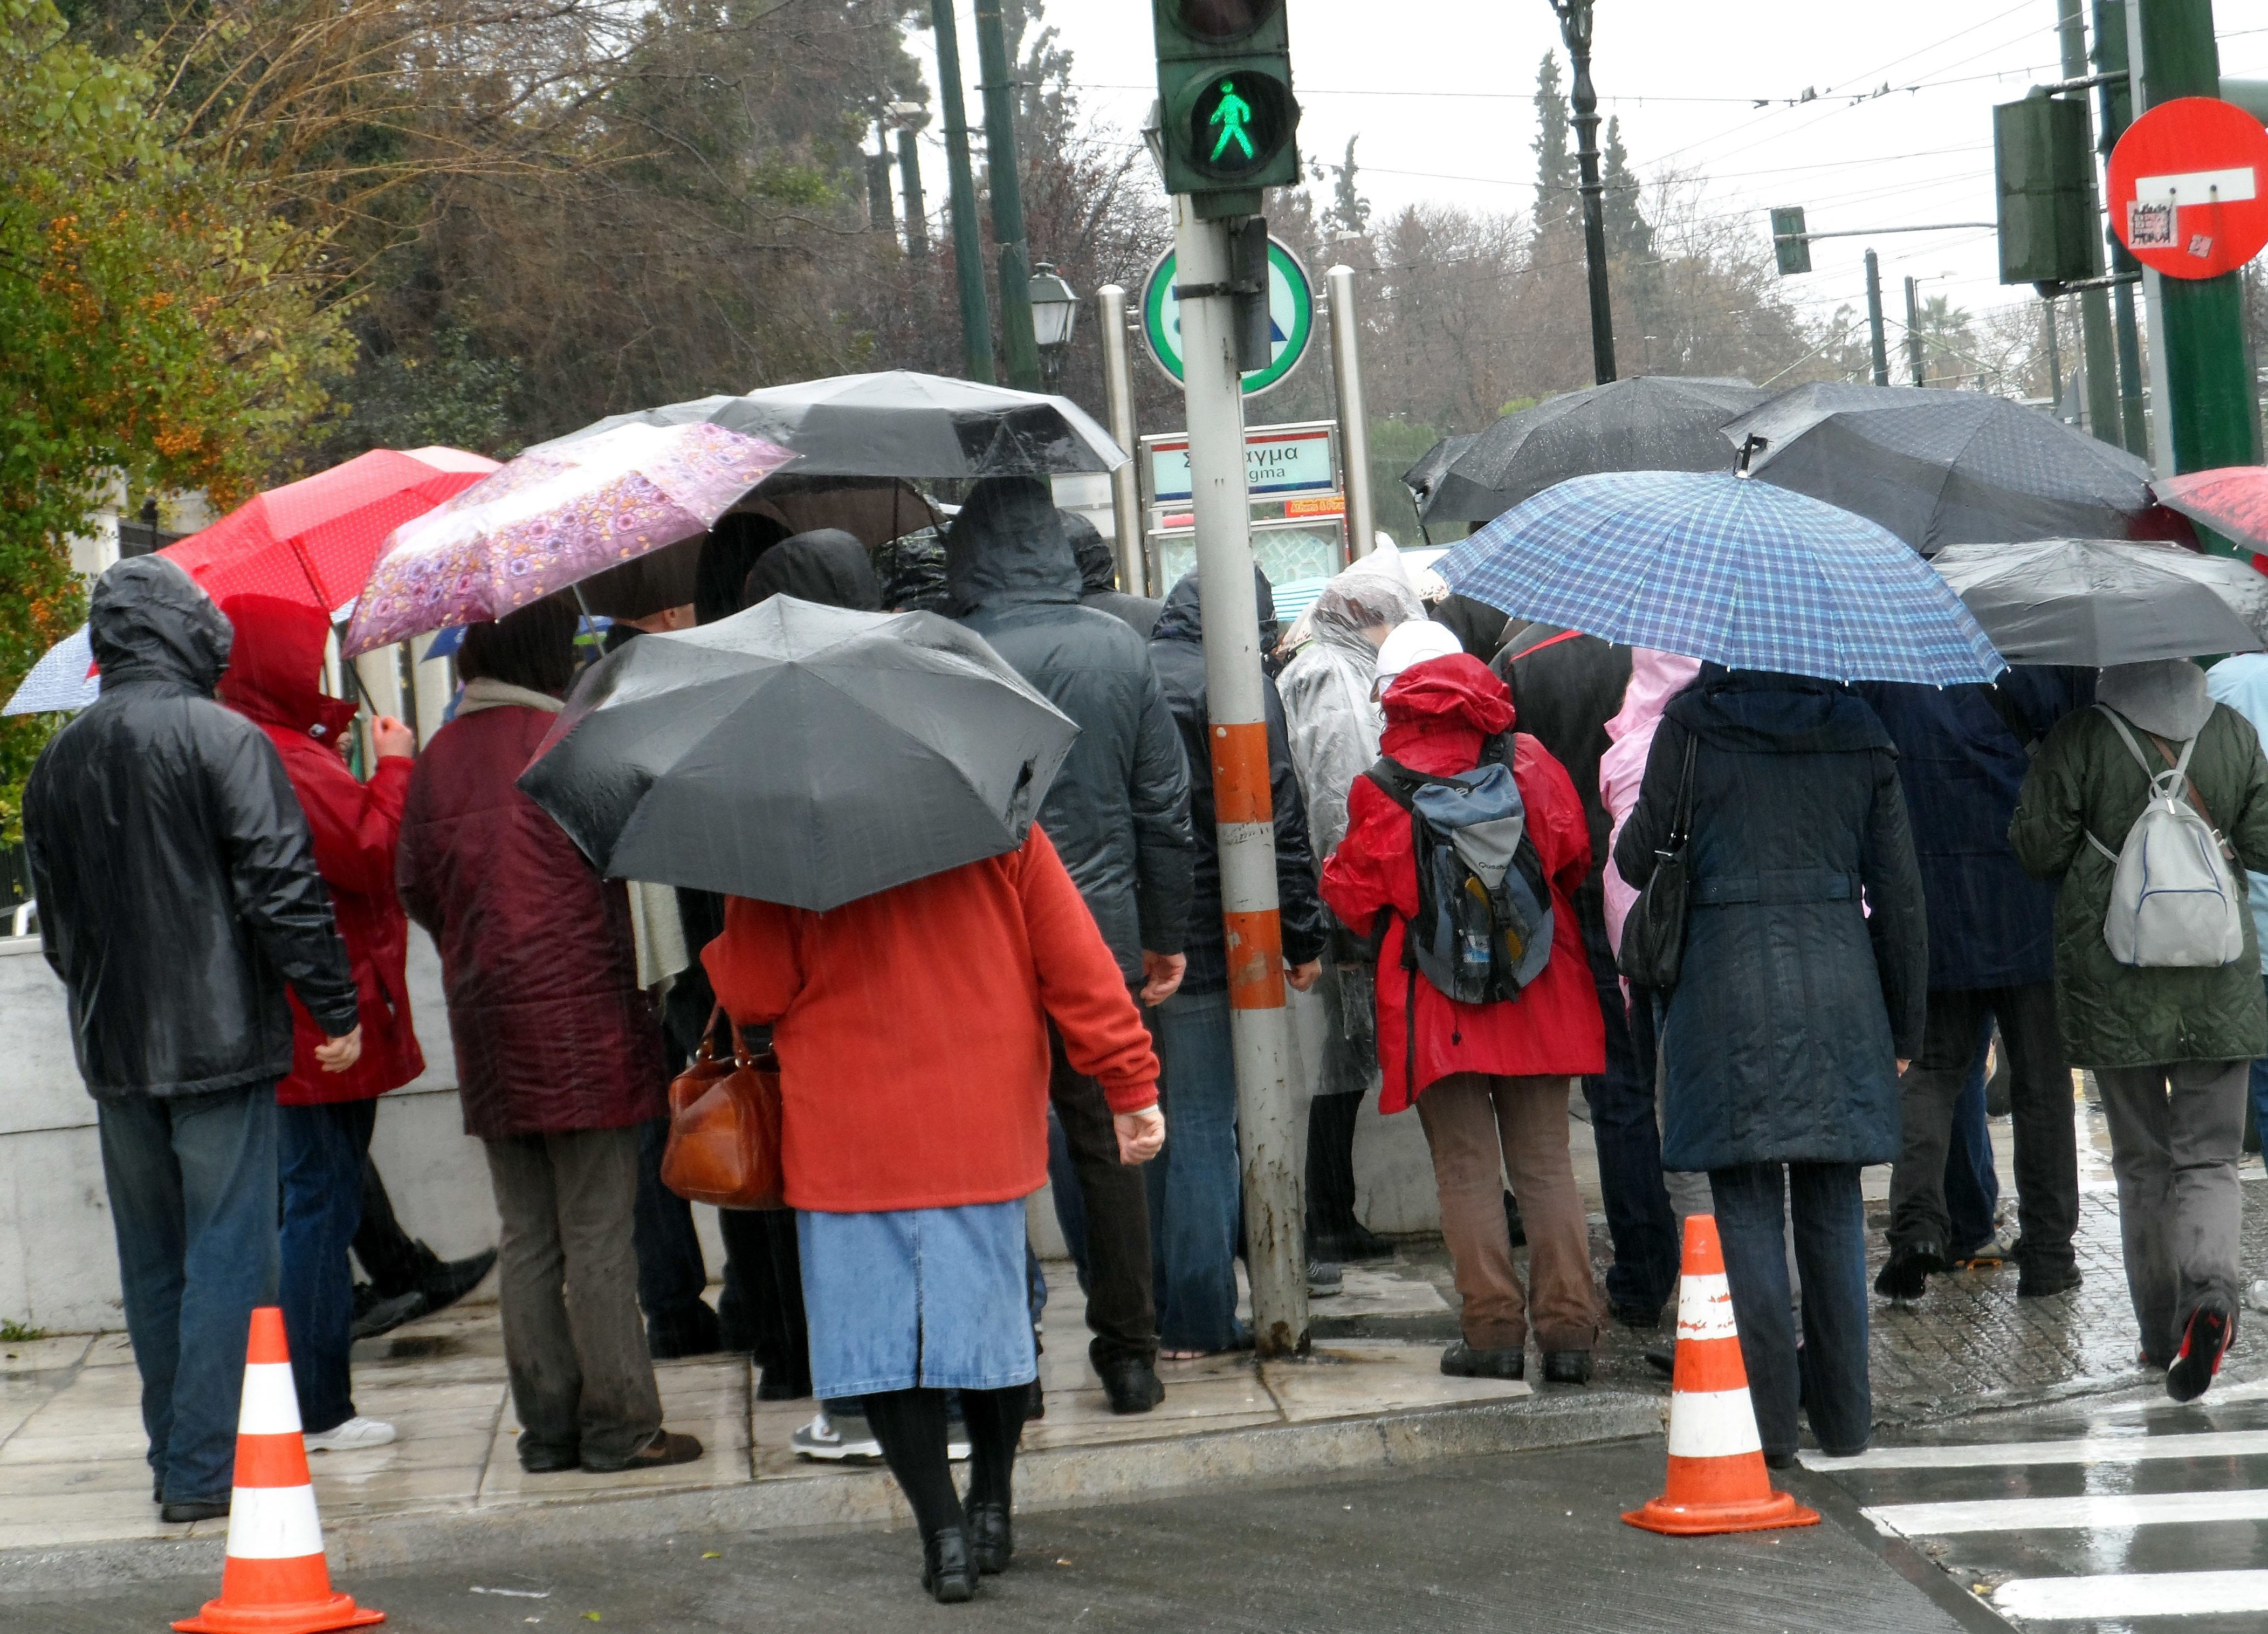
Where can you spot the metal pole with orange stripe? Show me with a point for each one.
(1717, 1478)
(1268, 1129)
(274, 1579)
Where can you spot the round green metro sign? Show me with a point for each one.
(1291, 317)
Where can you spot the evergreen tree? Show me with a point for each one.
(1629, 236)
(1557, 201)
(1350, 211)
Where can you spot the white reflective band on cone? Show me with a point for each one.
(1704, 1308)
(273, 1523)
(271, 1407)
(1713, 1423)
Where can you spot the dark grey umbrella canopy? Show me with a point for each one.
(800, 753)
(1424, 477)
(1939, 468)
(2101, 601)
(900, 423)
(1648, 422)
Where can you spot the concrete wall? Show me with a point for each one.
(58, 1263)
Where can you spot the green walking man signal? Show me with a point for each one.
(1232, 113)
(1227, 117)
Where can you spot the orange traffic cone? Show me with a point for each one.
(1717, 1479)
(275, 1580)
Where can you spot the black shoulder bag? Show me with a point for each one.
(1653, 935)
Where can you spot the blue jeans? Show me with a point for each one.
(1972, 1185)
(192, 1188)
(1196, 1183)
(1830, 1255)
(2260, 1095)
(1629, 1142)
(319, 1154)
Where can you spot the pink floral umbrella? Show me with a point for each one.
(550, 518)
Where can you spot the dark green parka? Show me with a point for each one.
(2084, 782)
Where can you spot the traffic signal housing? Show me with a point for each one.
(1790, 248)
(1228, 117)
(2041, 166)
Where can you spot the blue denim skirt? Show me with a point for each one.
(929, 1296)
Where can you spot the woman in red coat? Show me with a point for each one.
(558, 1052)
(1488, 1077)
(912, 1031)
(325, 1117)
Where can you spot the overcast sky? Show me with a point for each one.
(1440, 92)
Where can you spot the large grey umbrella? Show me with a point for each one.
(1939, 468)
(2101, 601)
(1648, 422)
(899, 424)
(800, 753)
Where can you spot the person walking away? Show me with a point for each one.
(407, 1280)
(323, 1120)
(2241, 682)
(559, 1056)
(2170, 1045)
(1800, 998)
(1332, 722)
(1566, 687)
(1118, 815)
(178, 897)
(919, 1033)
(1197, 1189)
(1963, 754)
(1490, 1081)
(1098, 578)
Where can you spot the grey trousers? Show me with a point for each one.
(574, 1347)
(2175, 1132)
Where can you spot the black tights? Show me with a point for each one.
(910, 1426)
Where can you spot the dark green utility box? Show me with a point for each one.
(2040, 163)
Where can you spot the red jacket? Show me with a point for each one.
(273, 668)
(912, 1030)
(552, 1032)
(1437, 715)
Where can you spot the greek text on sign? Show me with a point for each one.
(1277, 464)
(2185, 185)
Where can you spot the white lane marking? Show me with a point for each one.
(1713, 1423)
(2096, 1449)
(2195, 187)
(2250, 1390)
(2133, 1594)
(2092, 1510)
(270, 1405)
(1704, 1308)
(273, 1523)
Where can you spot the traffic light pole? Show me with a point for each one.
(2117, 112)
(1269, 1135)
(1914, 353)
(1007, 187)
(2095, 344)
(1875, 319)
(967, 251)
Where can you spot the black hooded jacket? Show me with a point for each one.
(1178, 652)
(825, 565)
(176, 880)
(1098, 578)
(1118, 811)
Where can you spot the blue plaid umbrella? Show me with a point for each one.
(1721, 567)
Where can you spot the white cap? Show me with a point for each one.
(1409, 644)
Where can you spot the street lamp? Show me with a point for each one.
(1055, 311)
(1575, 28)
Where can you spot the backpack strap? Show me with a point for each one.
(2176, 775)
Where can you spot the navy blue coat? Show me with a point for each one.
(1793, 1006)
(1990, 925)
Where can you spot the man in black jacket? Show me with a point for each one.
(1118, 813)
(1098, 578)
(178, 895)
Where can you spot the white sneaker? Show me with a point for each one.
(832, 1439)
(2257, 1295)
(352, 1436)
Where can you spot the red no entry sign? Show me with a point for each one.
(2189, 187)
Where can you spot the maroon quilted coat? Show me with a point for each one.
(552, 1033)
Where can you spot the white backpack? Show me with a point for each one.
(2175, 901)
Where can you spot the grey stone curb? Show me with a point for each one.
(1064, 1478)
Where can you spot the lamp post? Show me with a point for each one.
(1575, 28)
(1055, 312)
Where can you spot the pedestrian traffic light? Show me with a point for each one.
(1789, 245)
(1225, 99)
(2042, 169)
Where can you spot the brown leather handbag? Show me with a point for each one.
(724, 1129)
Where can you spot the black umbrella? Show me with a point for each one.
(1424, 477)
(2101, 601)
(800, 753)
(1648, 423)
(898, 423)
(1939, 468)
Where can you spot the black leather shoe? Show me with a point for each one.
(991, 1537)
(1636, 1315)
(550, 1460)
(1350, 1243)
(445, 1281)
(1567, 1367)
(376, 1315)
(668, 1447)
(1463, 1361)
(1663, 1360)
(1906, 1274)
(1035, 1404)
(1781, 1460)
(948, 1573)
(182, 1514)
(1131, 1384)
(2043, 1282)
(778, 1386)
(2204, 1341)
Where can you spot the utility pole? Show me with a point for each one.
(2212, 415)
(909, 184)
(2095, 346)
(1015, 264)
(1575, 28)
(968, 247)
(1874, 319)
(2055, 358)
(2118, 112)
(1913, 329)
(881, 215)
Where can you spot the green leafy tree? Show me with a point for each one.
(1629, 235)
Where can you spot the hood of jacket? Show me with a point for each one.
(275, 668)
(1097, 570)
(1752, 711)
(1656, 677)
(148, 620)
(2165, 695)
(825, 565)
(1456, 699)
(1007, 545)
(1371, 594)
(1183, 619)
